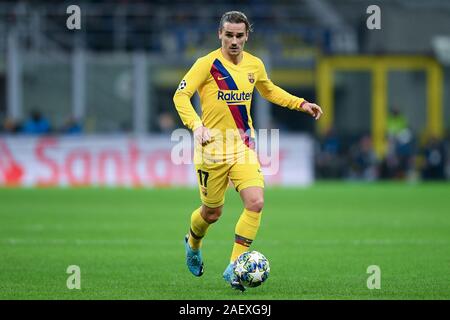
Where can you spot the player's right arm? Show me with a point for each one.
(182, 97)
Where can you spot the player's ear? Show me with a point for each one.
(220, 34)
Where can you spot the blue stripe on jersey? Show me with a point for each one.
(243, 111)
(225, 74)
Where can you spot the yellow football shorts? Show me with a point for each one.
(213, 178)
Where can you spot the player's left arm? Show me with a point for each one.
(312, 109)
(278, 96)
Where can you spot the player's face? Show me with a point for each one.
(233, 37)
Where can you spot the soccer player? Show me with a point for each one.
(225, 80)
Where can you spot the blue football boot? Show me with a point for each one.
(232, 279)
(194, 259)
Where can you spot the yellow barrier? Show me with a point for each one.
(379, 67)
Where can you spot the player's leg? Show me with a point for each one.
(213, 181)
(249, 182)
(201, 219)
(246, 229)
(249, 221)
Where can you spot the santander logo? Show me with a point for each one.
(10, 170)
(55, 161)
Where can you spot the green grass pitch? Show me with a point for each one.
(319, 240)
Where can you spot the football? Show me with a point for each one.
(252, 268)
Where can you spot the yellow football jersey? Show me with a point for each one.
(226, 92)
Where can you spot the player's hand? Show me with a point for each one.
(313, 109)
(202, 135)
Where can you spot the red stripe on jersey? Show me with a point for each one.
(219, 78)
(237, 117)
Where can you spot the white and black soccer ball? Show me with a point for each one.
(182, 85)
(252, 268)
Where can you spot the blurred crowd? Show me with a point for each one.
(176, 27)
(407, 157)
(38, 124)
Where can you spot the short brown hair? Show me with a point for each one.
(235, 17)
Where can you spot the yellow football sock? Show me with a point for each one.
(198, 229)
(245, 232)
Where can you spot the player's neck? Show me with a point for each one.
(233, 59)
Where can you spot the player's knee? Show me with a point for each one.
(255, 204)
(211, 218)
(211, 215)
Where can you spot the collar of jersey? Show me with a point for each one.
(229, 62)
